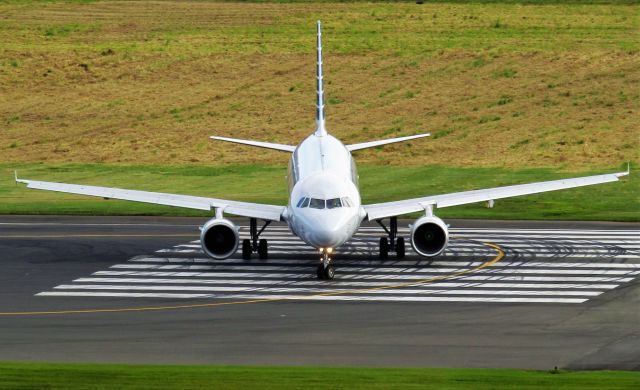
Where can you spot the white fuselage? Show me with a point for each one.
(322, 170)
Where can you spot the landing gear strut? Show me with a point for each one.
(391, 243)
(325, 269)
(255, 244)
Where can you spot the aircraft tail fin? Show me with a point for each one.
(371, 144)
(320, 129)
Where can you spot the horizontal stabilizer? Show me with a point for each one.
(267, 145)
(372, 144)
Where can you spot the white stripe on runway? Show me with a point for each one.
(379, 263)
(322, 298)
(399, 278)
(468, 291)
(342, 283)
(352, 270)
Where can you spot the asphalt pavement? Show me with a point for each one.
(139, 290)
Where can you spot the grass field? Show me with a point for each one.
(126, 93)
(499, 84)
(85, 376)
(265, 183)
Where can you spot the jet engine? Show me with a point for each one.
(429, 236)
(219, 238)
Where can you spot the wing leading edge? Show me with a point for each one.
(244, 209)
(390, 209)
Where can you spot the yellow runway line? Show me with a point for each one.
(215, 304)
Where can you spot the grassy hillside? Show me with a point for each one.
(259, 183)
(102, 376)
(498, 84)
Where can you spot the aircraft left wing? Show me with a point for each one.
(244, 209)
(391, 209)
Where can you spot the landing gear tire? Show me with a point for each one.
(329, 272)
(384, 248)
(400, 248)
(325, 273)
(263, 250)
(246, 249)
(320, 272)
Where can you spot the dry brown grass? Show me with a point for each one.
(148, 82)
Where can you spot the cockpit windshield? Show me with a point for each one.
(303, 202)
(333, 203)
(316, 203)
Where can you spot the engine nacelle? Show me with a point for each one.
(429, 236)
(219, 238)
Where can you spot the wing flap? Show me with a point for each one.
(245, 209)
(389, 209)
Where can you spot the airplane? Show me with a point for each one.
(324, 207)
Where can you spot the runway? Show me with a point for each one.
(504, 294)
(543, 266)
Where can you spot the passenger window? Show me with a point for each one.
(333, 203)
(316, 203)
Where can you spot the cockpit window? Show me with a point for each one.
(333, 203)
(316, 203)
(303, 202)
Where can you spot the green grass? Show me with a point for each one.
(266, 184)
(99, 376)
(140, 82)
(94, 376)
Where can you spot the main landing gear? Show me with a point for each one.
(325, 269)
(255, 244)
(391, 243)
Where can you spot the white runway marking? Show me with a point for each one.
(320, 298)
(290, 262)
(343, 283)
(540, 266)
(382, 276)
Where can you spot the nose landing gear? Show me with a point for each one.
(325, 269)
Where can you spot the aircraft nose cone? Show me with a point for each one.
(327, 231)
(325, 236)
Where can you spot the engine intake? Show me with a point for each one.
(219, 238)
(429, 236)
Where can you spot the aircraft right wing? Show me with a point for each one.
(244, 209)
(391, 209)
